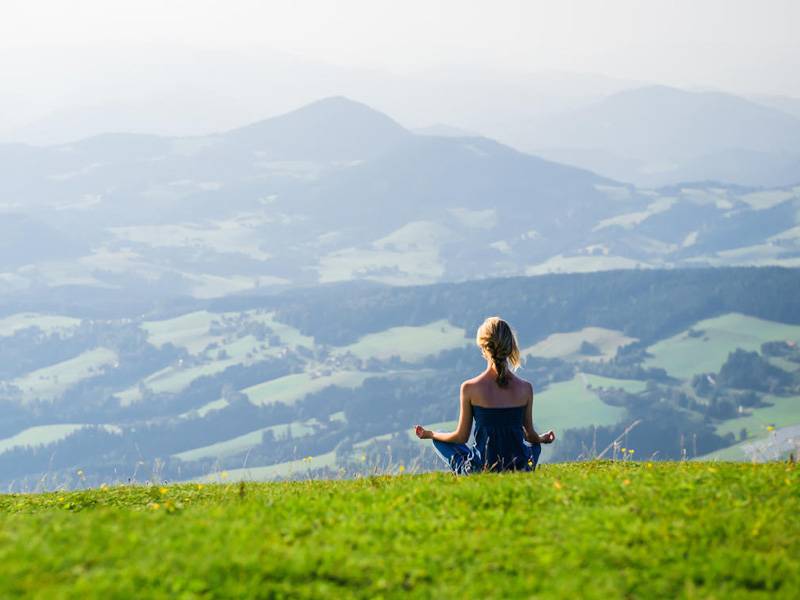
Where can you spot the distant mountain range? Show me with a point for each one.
(338, 191)
(659, 135)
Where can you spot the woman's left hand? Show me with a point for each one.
(547, 438)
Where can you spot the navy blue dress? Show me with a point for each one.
(499, 443)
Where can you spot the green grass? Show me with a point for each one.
(684, 356)
(592, 530)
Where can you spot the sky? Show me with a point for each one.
(743, 44)
(57, 55)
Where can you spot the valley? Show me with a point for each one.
(331, 380)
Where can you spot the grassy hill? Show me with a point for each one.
(591, 530)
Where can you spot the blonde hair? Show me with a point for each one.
(498, 343)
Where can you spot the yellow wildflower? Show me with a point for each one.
(61, 498)
(224, 475)
(770, 428)
(199, 486)
(162, 490)
(557, 484)
(626, 482)
(630, 450)
(401, 469)
(155, 506)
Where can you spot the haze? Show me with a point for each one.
(73, 69)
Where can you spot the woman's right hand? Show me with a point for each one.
(423, 433)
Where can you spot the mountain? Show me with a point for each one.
(787, 104)
(333, 129)
(657, 135)
(337, 191)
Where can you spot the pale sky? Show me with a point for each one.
(73, 68)
(739, 45)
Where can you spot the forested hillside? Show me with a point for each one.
(332, 378)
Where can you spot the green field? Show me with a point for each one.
(173, 379)
(570, 404)
(243, 443)
(410, 344)
(47, 323)
(47, 383)
(583, 530)
(567, 345)
(193, 330)
(190, 331)
(784, 411)
(632, 386)
(684, 356)
(583, 264)
(291, 388)
(42, 435)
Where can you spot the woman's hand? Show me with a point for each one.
(422, 433)
(547, 438)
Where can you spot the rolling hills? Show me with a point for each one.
(336, 191)
(253, 385)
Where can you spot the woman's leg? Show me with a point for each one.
(456, 456)
(536, 451)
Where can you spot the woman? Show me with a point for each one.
(501, 404)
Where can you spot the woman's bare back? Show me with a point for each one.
(483, 391)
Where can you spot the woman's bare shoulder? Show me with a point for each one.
(524, 383)
(473, 381)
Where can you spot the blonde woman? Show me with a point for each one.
(501, 405)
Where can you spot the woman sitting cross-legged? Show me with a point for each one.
(501, 404)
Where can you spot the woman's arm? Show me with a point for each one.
(530, 433)
(461, 434)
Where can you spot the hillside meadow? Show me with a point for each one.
(590, 530)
